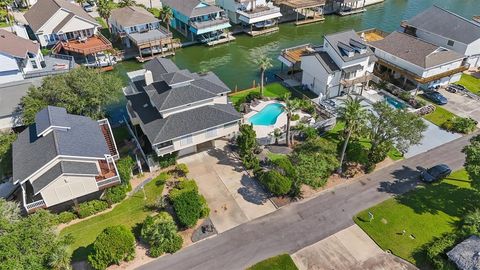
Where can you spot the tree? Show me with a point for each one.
(125, 167)
(81, 2)
(104, 9)
(6, 140)
(127, 3)
(290, 106)
(276, 183)
(388, 127)
(4, 4)
(166, 14)
(472, 161)
(353, 114)
(264, 63)
(160, 232)
(60, 259)
(112, 246)
(81, 91)
(247, 143)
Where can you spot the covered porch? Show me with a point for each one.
(302, 11)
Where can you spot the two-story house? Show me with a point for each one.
(410, 60)
(63, 159)
(253, 15)
(138, 28)
(178, 111)
(344, 64)
(198, 20)
(448, 30)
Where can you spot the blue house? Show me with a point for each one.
(198, 20)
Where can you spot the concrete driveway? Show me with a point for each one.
(348, 249)
(462, 105)
(232, 195)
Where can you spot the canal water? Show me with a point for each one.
(235, 62)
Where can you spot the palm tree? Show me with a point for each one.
(264, 63)
(353, 113)
(104, 9)
(166, 14)
(290, 106)
(60, 259)
(127, 3)
(5, 4)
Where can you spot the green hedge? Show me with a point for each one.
(276, 183)
(90, 208)
(167, 160)
(460, 125)
(66, 217)
(189, 205)
(115, 194)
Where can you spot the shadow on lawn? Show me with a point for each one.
(81, 253)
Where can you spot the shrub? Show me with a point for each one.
(66, 217)
(160, 232)
(250, 161)
(436, 250)
(252, 95)
(295, 117)
(112, 246)
(205, 211)
(115, 194)
(90, 208)
(125, 167)
(182, 169)
(460, 125)
(471, 223)
(285, 166)
(161, 178)
(188, 204)
(167, 160)
(276, 183)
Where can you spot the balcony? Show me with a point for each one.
(259, 14)
(164, 150)
(90, 45)
(32, 207)
(351, 82)
(108, 174)
(199, 25)
(109, 139)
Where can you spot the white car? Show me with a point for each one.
(87, 7)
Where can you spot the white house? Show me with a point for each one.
(18, 56)
(410, 59)
(178, 111)
(63, 159)
(258, 14)
(448, 30)
(344, 64)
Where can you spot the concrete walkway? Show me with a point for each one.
(348, 249)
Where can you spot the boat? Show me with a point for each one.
(476, 18)
(264, 24)
(102, 60)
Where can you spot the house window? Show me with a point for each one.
(186, 140)
(450, 42)
(211, 133)
(34, 64)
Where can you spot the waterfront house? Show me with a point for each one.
(257, 15)
(199, 21)
(347, 7)
(411, 63)
(63, 159)
(138, 28)
(344, 64)
(10, 97)
(176, 111)
(65, 26)
(448, 30)
(301, 11)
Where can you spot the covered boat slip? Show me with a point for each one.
(260, 20)
(349, 7)
(152, 42)
(302, 11)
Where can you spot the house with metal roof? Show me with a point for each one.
(344, 64)
(412, 63)
(466, 255)
(198, 20)
(176, 111)
(63, 159)
(448, 30)
(139, 29)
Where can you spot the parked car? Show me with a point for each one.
(454, 88)
(435, 97)
(87, 7)
(435, 173)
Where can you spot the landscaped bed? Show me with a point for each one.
(439, 116)
(405, 225)
(280, 262)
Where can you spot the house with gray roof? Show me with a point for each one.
(417, 63)
(343, 64)
(63, 159)
(10, 97)
(466, 255)
(176, 111)
(448, 30)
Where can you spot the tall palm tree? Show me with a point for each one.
(60, 259)
(353, 113)
(166, 14)
(127, 3)
(104, 9)
(264, 63)
(290, 106)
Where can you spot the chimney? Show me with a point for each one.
(148, 77)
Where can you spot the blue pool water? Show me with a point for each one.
(395, 103)
(267, 116)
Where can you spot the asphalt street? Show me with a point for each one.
(304, 223)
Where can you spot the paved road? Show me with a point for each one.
(302, 224)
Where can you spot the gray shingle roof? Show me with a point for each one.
(415, 50)
(327, 62)
(63, 167)
(176, 78)
(51, 116)
(83, 139)
(446, 24)
(10, 97)
(466, 255)
(132, 15)
(337, 40)
(164, 97)
(159, 66)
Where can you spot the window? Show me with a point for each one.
(186, 140)
(211, 133)
(450, 42)
(34, 64)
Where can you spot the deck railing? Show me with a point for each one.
(258, 13)
(108, 182)
(209, 23)
(35, 205)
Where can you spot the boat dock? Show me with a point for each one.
(221, 40)
(265, 31)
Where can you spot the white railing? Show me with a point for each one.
(108, 181)
(35, 205)
(164, 150)
(256, 14)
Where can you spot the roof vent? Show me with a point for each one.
(148, 77)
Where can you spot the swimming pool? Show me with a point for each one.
(395, 103)
(267, 116)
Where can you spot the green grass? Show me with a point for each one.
(439, 116)
(130, 212)
(280, 262)
(275, 156)
(426, 212)
(471, 83)
(105, 30)
(272, 90)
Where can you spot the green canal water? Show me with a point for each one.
(235, 63)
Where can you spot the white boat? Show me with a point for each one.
(264, 24)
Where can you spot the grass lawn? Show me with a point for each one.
(130, 212)
(274, 156)
(471, 83)
(439, 116)
(105, 31)
(426, 212)
(273, 90)
(280, 262)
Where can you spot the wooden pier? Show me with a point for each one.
(265, 31)
(222, 40)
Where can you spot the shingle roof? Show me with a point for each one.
(188, 7)
(43, 10)
(11, 95)
(83, 139)
(466, 255)
(446, 24)
(16, 46)
(327, 62)
(51, 116)
(345, 38)
(415, 50)
(159, 66)
(132, 15)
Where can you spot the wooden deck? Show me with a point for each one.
(92, 45)
(221, 41)
(371, 35)
(255, 33)
(310, 20)
(295, 54)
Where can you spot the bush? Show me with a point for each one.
(460, 125)
(112, 246)
(284, 166)
(188, 204)
(115, 194)
(471, 223)
(125, 167)
(160, 232)
(167, 160)
(90, 208)
(252, 95)
(250, 161)
(182, 169)
(276, 183)
(205, 211)
(66, 217)
(295, 117)
(437, 249)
